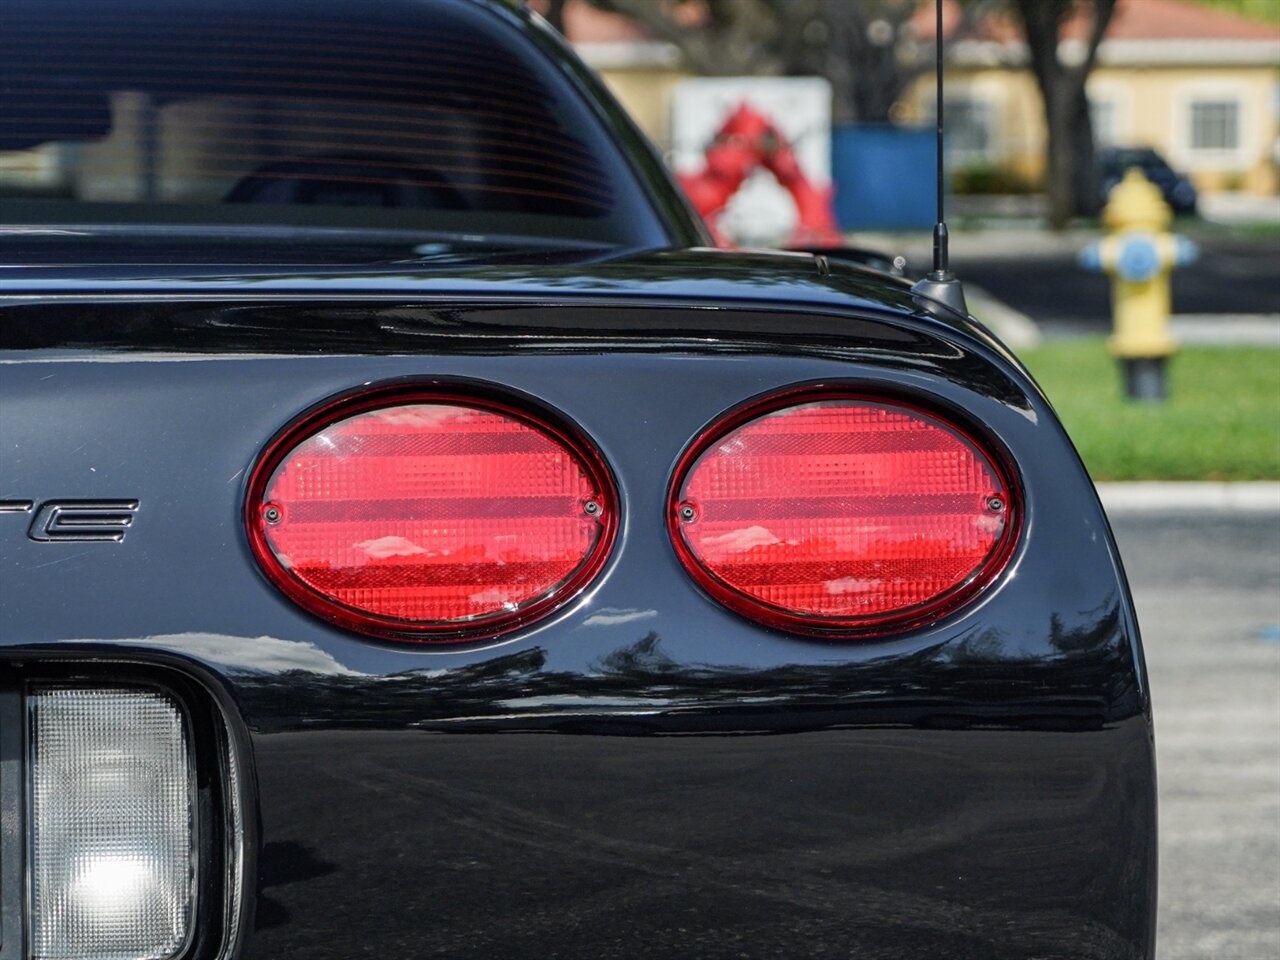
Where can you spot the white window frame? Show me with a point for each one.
(1185, 153)
(989, 99)
(1119, 98)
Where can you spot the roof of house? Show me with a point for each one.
(1141, 33)
(1132, 20)
(1178, 20)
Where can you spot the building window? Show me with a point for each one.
(1215, 125)
(970, 131)
(1102, 117)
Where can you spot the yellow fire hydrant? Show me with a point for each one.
(1139, 254)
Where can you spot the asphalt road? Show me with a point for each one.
(1234, 275)
(1207, 589)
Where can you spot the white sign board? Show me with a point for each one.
(800, 107)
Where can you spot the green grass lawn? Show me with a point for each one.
(1221, 421)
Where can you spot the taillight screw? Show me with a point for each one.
(995, 504)
(591, 508)
(271, 514)
(688, 513)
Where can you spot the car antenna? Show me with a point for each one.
(940, 283)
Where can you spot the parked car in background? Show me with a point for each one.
(415, 542)
(1178, 190)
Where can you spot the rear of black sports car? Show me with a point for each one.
(413, 545)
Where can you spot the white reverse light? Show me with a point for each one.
(112, 824)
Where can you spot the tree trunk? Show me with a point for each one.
(1072, 183)
(1071, 178)
(1087, 199)
(1060, 184)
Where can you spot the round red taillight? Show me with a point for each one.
(430, 516)
(838, 515)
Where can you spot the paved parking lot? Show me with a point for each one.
(1207, 588)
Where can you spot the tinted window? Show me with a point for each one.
(385, 113)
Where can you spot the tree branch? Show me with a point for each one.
(555, 14)
(1102, 12)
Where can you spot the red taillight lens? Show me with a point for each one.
(431, 517)
(836, 515)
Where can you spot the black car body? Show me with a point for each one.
(642, 771)
(1176, 188)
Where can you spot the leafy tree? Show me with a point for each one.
(865, 48)
(1265, 10)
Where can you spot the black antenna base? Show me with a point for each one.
(942, 286)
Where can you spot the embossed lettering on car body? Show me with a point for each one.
(75, 520)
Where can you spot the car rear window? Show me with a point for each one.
(376, 113)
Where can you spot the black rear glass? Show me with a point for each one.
(375, 113)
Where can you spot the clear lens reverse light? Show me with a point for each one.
(112, 835)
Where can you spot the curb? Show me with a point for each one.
(1252, 497)
(1260, 329)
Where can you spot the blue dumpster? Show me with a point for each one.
(884, 176)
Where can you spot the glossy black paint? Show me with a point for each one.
(644, 774)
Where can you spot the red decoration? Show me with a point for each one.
(746, 141)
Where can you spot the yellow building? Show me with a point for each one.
(1200, 86)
